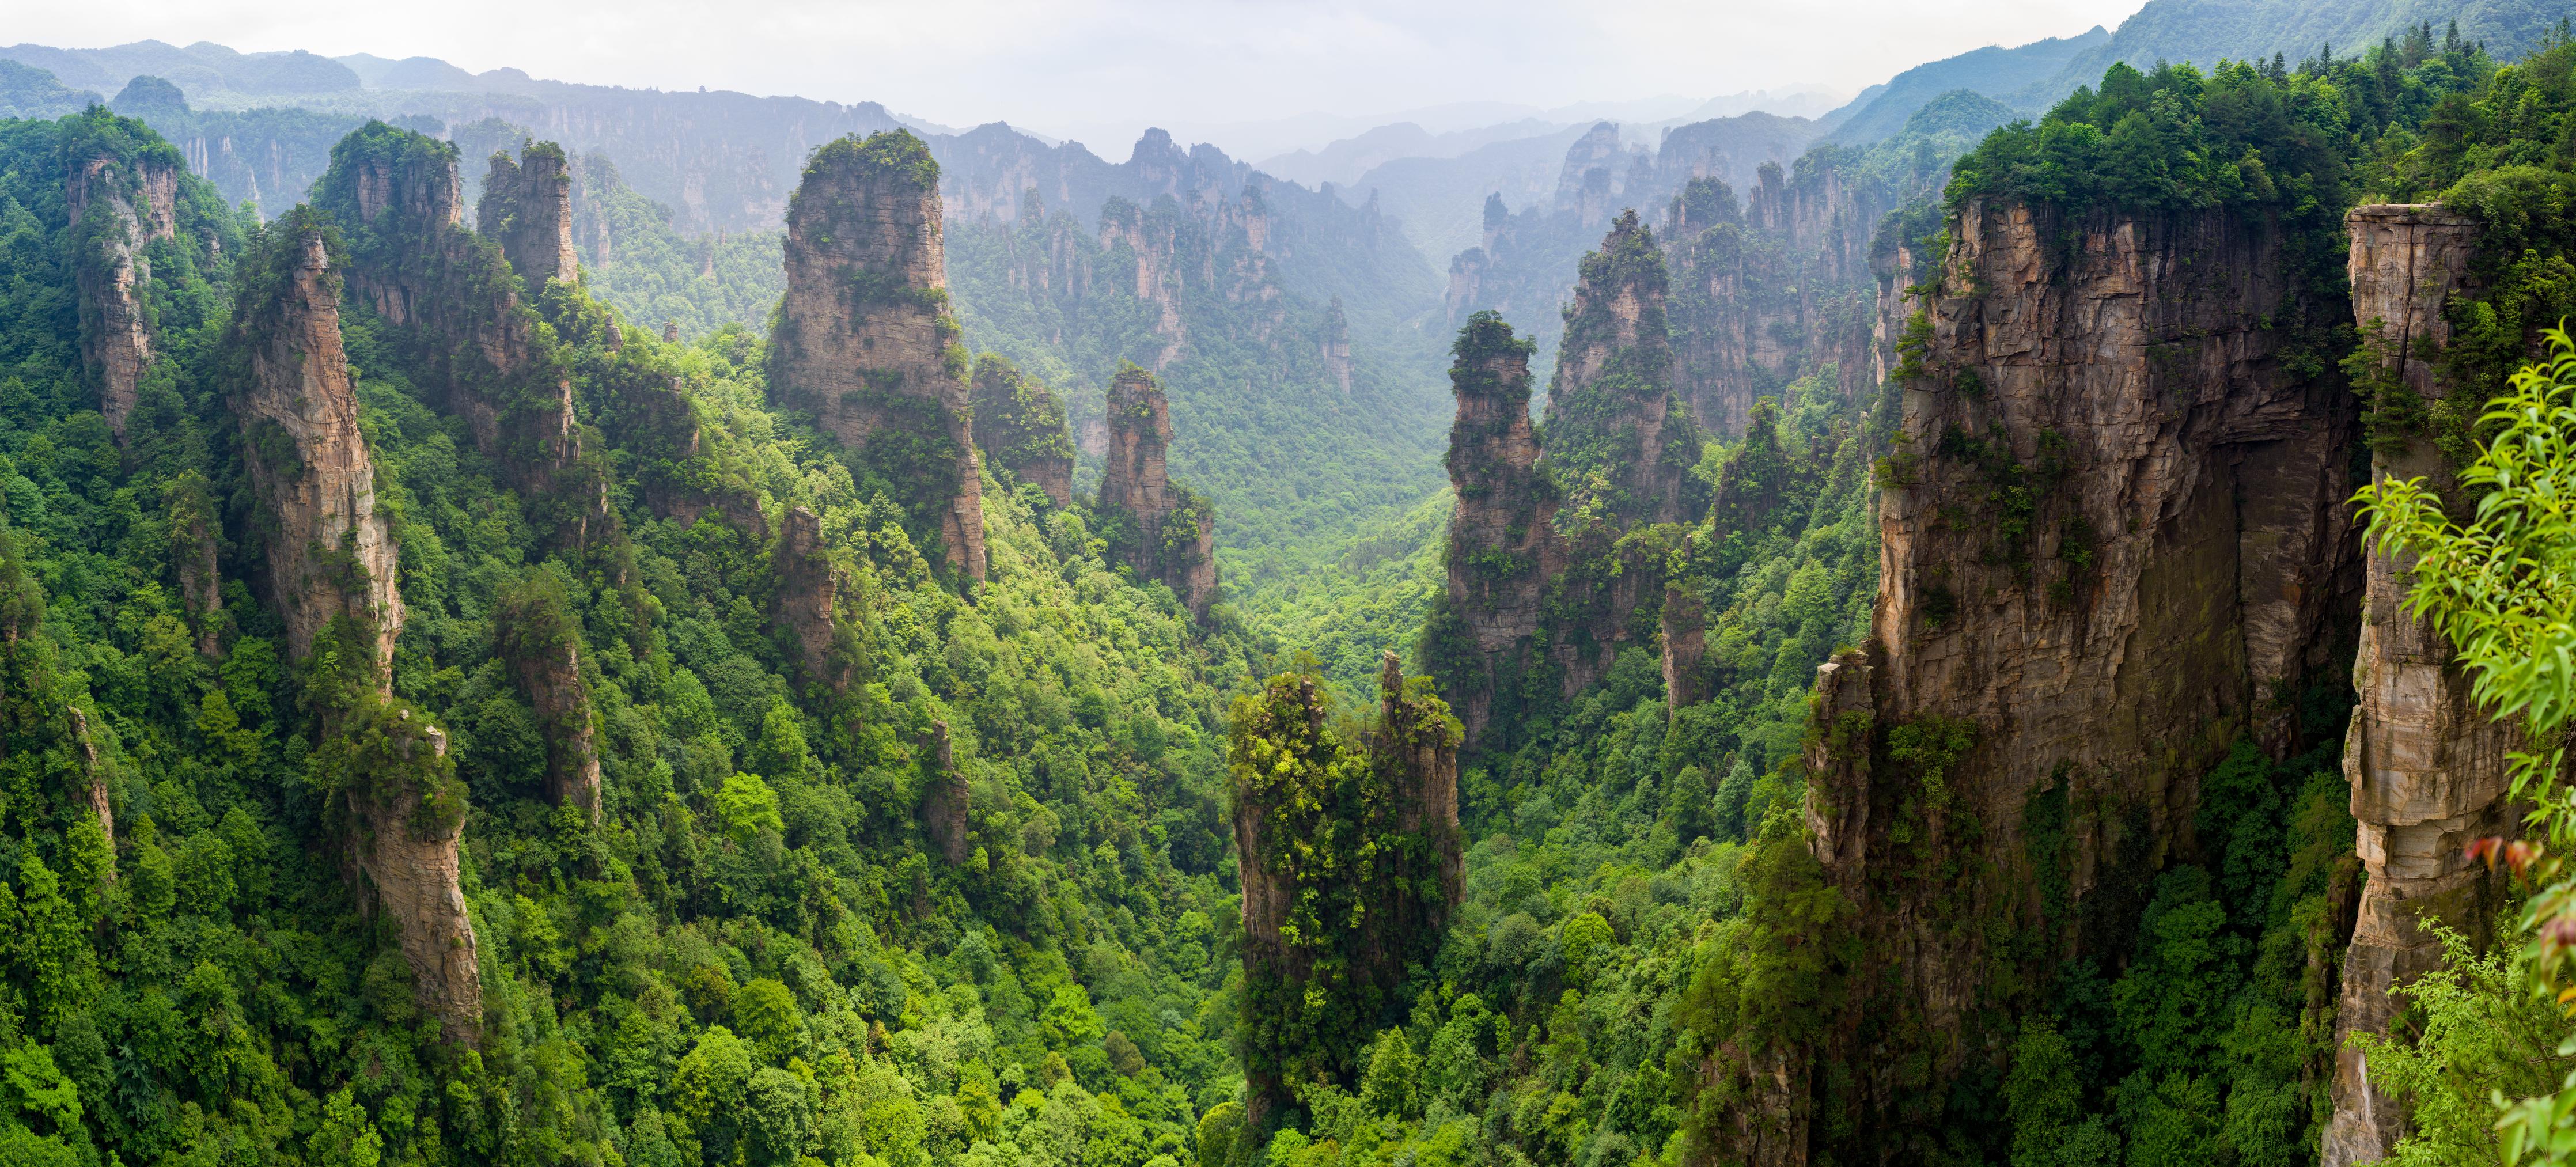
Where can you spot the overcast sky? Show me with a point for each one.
(1101, 69)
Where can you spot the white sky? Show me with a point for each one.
(1103, 69)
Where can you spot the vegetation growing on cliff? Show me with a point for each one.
(755, 956)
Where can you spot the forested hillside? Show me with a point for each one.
(982, 659)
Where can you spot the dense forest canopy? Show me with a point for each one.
(752, 827)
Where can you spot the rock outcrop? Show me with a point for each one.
(2113, 528)
(329, 553)
(527, 208)
(1335, 346)
(1771, 291)
(807, 598)
(1404, 802)
(1685, 645)
(193, 554)
(2427, 766)
(331, 557)
(863, 338)
(1503, 547)
(456, 317)
(1610, 408)
(946, 803)
(1021, 427)
(118, 205)
(407, 808)
(1174, 536)
(540, 639)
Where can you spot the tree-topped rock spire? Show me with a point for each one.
(457, 318)
(864, 340)
(1503, 545)
(527, 208)
(1162, 529)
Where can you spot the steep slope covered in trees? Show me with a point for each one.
(969, 886)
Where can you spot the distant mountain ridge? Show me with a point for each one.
(2034, 76)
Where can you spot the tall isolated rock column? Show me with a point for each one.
(2427, 766)
(331, 554)
(118, 206)
(331, 558)
(457, 320)
(1326, 936)
(1175, 539)
(1503, 547)
(864, 340)
(527, 208)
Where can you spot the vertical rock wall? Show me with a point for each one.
(1503, 547)
(2115, 529)
(1175, 538)
(1021, 427)
(807, 595)
(527, 208)
(457, 319)
(2427, 767)
(117, 207)
(330, 553)
(864, 340)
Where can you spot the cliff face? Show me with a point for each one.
(406, 811)
(1175, 537)
(456, 316)
(864, 340)
(2183, 545)
(1769, 292)
(1503, 547)
(2427, 767)
(330, 553)
(1315, 792)
(2115, 525)
(1610, 410)
(527, 208)
(117, 208)
(1021, 427)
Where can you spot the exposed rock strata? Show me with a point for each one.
(1770, 292)
(1175, 535)
(331, 556)
(406, 847)
(117, 208)
(329, 553)
(864, 340)
(1503, 547)
(527, 208)
(2185, 554)
(2427, 766)
(457, 318)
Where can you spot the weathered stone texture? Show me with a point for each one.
(116, 210)
(527, 208)
(331, 553)
(1136, 481)
(864, 339)
(2427, 766)
(1503, 546)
